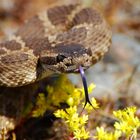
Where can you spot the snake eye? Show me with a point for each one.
(60, 58)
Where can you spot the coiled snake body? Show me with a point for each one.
(58, 40)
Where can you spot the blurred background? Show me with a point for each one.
(117, 76)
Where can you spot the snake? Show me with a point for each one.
(56, 40)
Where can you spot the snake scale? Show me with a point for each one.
(57, 40)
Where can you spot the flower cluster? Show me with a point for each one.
(104, 135)
(128, 122)
(59, 92)
(64, 91)
(75, 122)
(127, 125)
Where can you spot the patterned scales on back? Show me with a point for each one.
(57, 40)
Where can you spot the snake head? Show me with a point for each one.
(66, 58)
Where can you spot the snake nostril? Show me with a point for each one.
(60, 58)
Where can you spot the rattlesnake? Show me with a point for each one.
(58, 40)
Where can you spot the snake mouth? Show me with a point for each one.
(73, 69)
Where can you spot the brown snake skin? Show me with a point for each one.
(58, 40)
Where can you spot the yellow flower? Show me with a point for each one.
(81, 134)
(75, 122)
(70, 101)
(128, 122)
(40, 106)
(60, 113)
(83, 119)
(94, 103)
(90, 89)
(103, 135)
